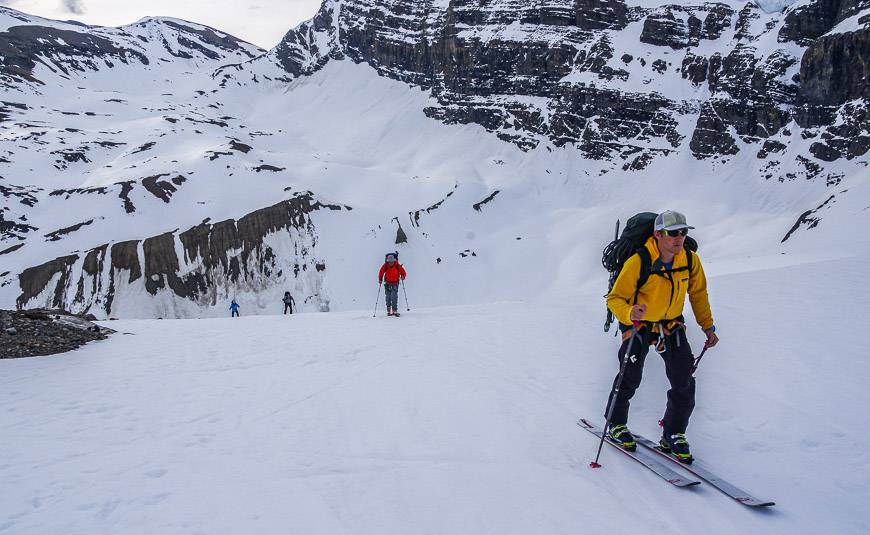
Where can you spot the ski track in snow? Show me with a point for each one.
(446, 420)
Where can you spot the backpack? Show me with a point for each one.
(638, 229)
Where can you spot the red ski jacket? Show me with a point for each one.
(391, 275)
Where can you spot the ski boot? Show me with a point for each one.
(623, 438)
(677, 446)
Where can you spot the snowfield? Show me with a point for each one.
(460, 416)
(447, 420)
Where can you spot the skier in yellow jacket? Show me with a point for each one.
(658, 307)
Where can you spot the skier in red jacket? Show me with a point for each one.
(390, 274)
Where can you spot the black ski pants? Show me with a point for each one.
(678, 367)
(288, 306)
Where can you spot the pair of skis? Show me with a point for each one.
(651, 456)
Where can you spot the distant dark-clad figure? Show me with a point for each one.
(391, 273)
(234, 309)
(289, 303)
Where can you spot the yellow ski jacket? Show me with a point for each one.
(665, 294)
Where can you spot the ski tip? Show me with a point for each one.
(680, 482)
(583, 422)
(753, 502)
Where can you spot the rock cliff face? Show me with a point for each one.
(567, 71)
(834, 95)
(807, 21)
(201, 265)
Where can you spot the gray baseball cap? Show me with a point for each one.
(670, 220)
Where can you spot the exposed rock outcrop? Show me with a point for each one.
(32, 333)
(664, 29)
(835, 93)
(807, 22)
(215, 257)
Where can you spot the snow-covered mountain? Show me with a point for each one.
(615, 79)
(163, 168)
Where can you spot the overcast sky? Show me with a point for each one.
(262, 22)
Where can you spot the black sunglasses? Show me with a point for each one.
(677, 232)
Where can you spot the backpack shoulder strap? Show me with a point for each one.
(689, 256)
(645, 266)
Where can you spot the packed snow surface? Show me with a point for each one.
(453, 419)
(773, 6)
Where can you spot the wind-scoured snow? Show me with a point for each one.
(851, 24)
(12, 17)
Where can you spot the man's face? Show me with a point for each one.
(391, 260)
(671, 241)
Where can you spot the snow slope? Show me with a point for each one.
(560, 207)
(452, 419)
(83, 154)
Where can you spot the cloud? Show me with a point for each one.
(76, 7)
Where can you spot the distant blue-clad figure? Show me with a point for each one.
(234, 309)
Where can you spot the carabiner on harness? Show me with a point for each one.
(664, 332)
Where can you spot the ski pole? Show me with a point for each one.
(615, 392)
(406, 295)
(378, 298)
(698, 360)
